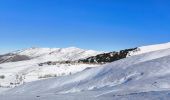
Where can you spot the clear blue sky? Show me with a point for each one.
(91, 24)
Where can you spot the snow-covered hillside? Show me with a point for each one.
(150, 48)
(48, 54)
(57, 54)
(14, 73)
(145, 76)
(17, 73)
(117, 55)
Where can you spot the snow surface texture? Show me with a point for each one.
(145, 76)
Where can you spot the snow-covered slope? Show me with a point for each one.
(110, 74)
(48, 54)
(17, 73)
(12, 58)
(150, 48)
(117, 55)
(143, 77)
(73, 53)
(14, 73)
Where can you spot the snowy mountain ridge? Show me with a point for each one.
(73, 53)
(70, 53)
(48, 54)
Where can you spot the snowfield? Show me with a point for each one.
(143, 76)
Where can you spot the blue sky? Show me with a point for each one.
(91, 24)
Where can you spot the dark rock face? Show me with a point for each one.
(107, 57)
(12, 58)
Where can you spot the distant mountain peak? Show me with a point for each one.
(50, 54)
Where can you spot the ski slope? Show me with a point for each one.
(144, 76)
